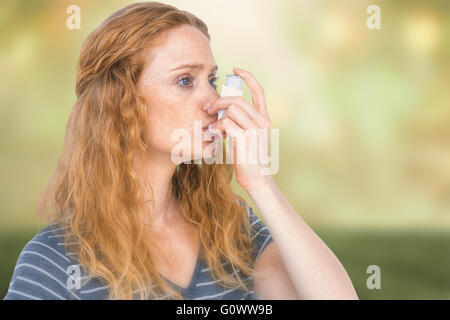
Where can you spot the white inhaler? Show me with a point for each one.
(232, 87)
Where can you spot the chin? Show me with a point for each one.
(208, 151)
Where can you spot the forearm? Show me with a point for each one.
(314, 269)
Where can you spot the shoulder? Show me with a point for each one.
(260, 234)
(271, 280)
(43, 268)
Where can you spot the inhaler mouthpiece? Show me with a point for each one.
(232, 87)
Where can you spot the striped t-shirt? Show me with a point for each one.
(45, 271)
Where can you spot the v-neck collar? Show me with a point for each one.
(194, 276)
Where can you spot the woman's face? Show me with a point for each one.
(175, 93)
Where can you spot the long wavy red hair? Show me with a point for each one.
(95, 193)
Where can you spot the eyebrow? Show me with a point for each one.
(194, 66)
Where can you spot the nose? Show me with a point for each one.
(211, 95)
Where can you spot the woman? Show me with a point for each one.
(126, 221)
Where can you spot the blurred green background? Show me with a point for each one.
(364, 120)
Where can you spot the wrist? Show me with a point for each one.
(264, 183)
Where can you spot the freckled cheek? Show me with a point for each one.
(183, 118)
(169, 125)
(176, 113)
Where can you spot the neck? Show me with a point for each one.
(156, 176)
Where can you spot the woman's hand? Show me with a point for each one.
(249, 129)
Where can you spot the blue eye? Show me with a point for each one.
(187, 82)
(187, 78)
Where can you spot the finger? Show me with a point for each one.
(257, 90)
(236, 136)
(224, 103)
(239, 116)
(227, 126)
